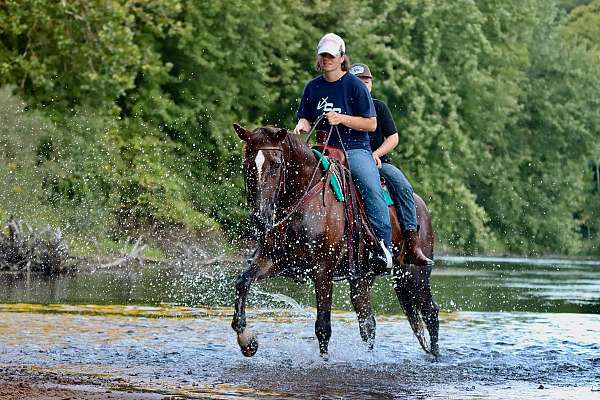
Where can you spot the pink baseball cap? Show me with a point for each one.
(331, 44)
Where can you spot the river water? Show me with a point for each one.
(522, 329)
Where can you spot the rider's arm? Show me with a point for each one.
(357, 123)
(302, 126)
(388, 145)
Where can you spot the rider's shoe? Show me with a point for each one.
(382, 260)
(414, 254)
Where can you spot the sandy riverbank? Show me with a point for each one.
(26, 383)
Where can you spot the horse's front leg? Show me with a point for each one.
(323, 291)
(259, 268)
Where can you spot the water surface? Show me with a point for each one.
(458, 286)
(508, 330)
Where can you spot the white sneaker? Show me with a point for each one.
(385, 258)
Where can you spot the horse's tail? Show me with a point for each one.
(408, 290)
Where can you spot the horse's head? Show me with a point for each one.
(264, 170)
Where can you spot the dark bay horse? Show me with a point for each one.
(302, 235)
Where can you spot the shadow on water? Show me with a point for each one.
(511, 331)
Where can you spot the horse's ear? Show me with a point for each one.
(279, 135)
(242, 132)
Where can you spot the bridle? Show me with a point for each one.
(280, 184)
(310, 189)
(290, 211)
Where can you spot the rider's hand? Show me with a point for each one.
(300, 128)
(334, 118)
(377, 160)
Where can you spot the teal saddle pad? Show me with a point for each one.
(335, 183)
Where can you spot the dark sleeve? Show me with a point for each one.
(364, 101)
(385, 121)
(306, 108)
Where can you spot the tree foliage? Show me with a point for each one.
(496, 104)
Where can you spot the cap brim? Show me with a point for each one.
(329, 49)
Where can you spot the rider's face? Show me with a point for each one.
(329, 62)
(367, 81)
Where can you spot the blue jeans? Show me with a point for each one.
(402, 194)
(366, 177)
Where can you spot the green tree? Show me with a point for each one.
(496, 104)
(72, 53)
(583, 27)
(552, 140)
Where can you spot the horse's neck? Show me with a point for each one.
(301, 168)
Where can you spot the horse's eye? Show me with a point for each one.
(275, 164)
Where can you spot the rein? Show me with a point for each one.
(315, 127)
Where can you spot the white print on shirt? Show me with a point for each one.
(323, 104)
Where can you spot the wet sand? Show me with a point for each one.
(27, 383)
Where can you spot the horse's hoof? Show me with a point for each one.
(325, 356)
(435, 351)
(248, 343)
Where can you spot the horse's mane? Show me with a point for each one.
(297, 145)
(293, 145)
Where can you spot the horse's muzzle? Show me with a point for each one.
(262, 221)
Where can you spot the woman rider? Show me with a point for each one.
(384, 140)
(345, 101)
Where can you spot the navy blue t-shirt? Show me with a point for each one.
(348, 95)
(385, 127)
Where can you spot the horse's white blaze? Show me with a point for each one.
(260, 160)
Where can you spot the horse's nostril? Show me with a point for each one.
(262, 219)
(257, 220)
(260, 222)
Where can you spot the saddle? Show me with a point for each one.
(359, 233)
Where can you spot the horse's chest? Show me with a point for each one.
(305, 235)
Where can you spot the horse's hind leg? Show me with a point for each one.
(259, 268)
(360, 295)
(428, 307)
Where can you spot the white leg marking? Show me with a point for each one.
(260, 160)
